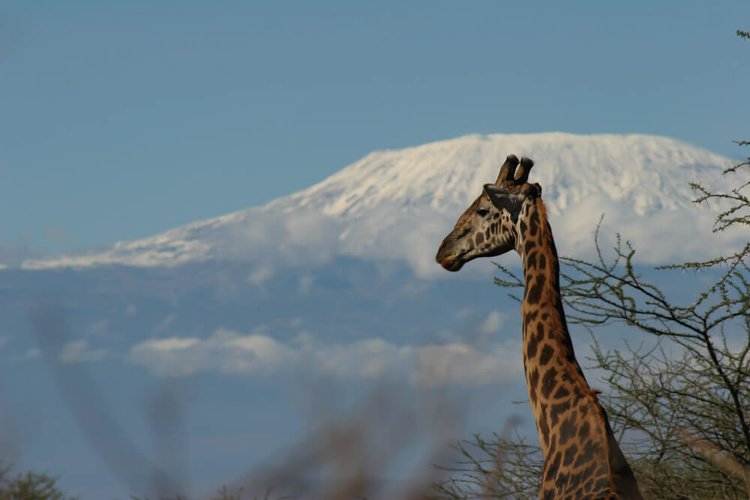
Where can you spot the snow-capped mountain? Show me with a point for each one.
(398, 204)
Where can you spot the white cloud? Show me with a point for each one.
(33, 353)
(224, 351)
(491, 324)
(447, 335)
(276, 239)
(230, 352)
(166, 345)
(309, 229)
(260, 275)
(164, 324)
(260, 329)
(262, 347)
(664, 236)
(464, 364)
(305, 284)
(99, 328)
(78, 351)
(367, 359)
(420, 244)
(463, 313)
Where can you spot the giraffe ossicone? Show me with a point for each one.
(582, 459)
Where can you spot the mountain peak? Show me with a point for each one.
(397, 204)
(649, 172)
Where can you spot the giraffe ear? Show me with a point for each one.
(498, 196)
(503, 199)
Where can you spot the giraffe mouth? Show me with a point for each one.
(451, 264)
(448, 256)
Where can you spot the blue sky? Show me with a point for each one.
(119, 120)
(124, 119)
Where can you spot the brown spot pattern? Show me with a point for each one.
(582, 457)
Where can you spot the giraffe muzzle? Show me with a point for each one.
(451, 264)
(445, 256)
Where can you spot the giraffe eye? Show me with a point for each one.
(482, 212)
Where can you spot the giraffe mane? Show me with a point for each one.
(549, 252)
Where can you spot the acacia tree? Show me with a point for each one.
(29, 486)
(683, 402)
(680, 400)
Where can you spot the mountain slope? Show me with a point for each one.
(398, 204)
(637, 169)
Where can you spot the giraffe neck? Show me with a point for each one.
(552, 371)
(574, 433)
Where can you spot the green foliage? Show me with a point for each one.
(29, 486)
(224, 493)
(497, 468)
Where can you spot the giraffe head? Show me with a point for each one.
(488, 227)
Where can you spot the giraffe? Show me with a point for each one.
(582, 459)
